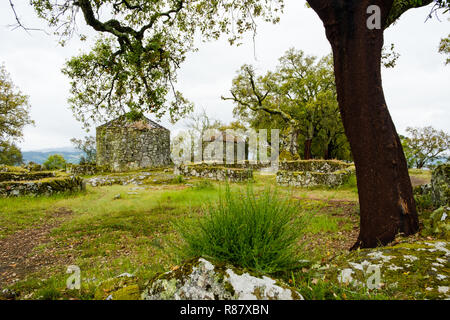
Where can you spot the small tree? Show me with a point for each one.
(198, 124)
(10, 155)
(54, 162)
(88, 147)
(14, 109)
(426, 145)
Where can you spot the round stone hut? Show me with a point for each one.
(125, 145)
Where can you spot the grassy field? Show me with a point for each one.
(111, 230)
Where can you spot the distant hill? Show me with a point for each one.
(39, 156)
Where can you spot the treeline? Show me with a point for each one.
(299, 98)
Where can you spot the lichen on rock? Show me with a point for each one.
(321, 177)
(199, 279)
(416, 270)
(41, 185)
(214, 172)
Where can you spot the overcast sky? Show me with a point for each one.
(417, 89)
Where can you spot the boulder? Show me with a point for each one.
(199, 279)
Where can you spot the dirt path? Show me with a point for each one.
(17, 258)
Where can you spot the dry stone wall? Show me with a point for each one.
(15, 181)
(45, 187)
(324, 166)
(311, 173)
(214, 172)
(85, 169)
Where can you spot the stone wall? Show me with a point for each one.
(45, 187)
(214, 172)
(23, 176)
(17, 181)
(239, 165)
(324, 166)
(312, 179)
(311, 173)
(132, 147)
(85, 169)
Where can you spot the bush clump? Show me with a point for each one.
(257, 232)
(55, 162)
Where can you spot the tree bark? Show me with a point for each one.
(329, 148)
(307, 149)
(293, 145)
(386, 200)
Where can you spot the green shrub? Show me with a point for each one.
(54, 162)
(203, 185)
(178, 179)
(257, 232)
(424, 202)
(350, 184)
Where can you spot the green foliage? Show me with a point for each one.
(444, 48)
(389, 57)
(55, 162)
(88, 146)
(203, 184)
(425, 145)
(178, 179)
(258, 232)
(312, 288)
(399, 7)
(409, 155)
(133, 65)
(14, 108)
(10, 155)
(299, 98)
(134, 115)
(350, 184)
(423, 202)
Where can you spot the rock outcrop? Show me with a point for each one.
(200, 279)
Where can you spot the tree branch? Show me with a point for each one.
(19, 23)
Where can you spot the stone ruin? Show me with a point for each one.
(310, 173)
(296, 173)
(126, 145)
(16, 181)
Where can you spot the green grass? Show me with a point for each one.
(25, 212)
(420, 172)
(253, 231)
(136, 233)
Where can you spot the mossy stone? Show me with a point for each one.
(119, 288)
